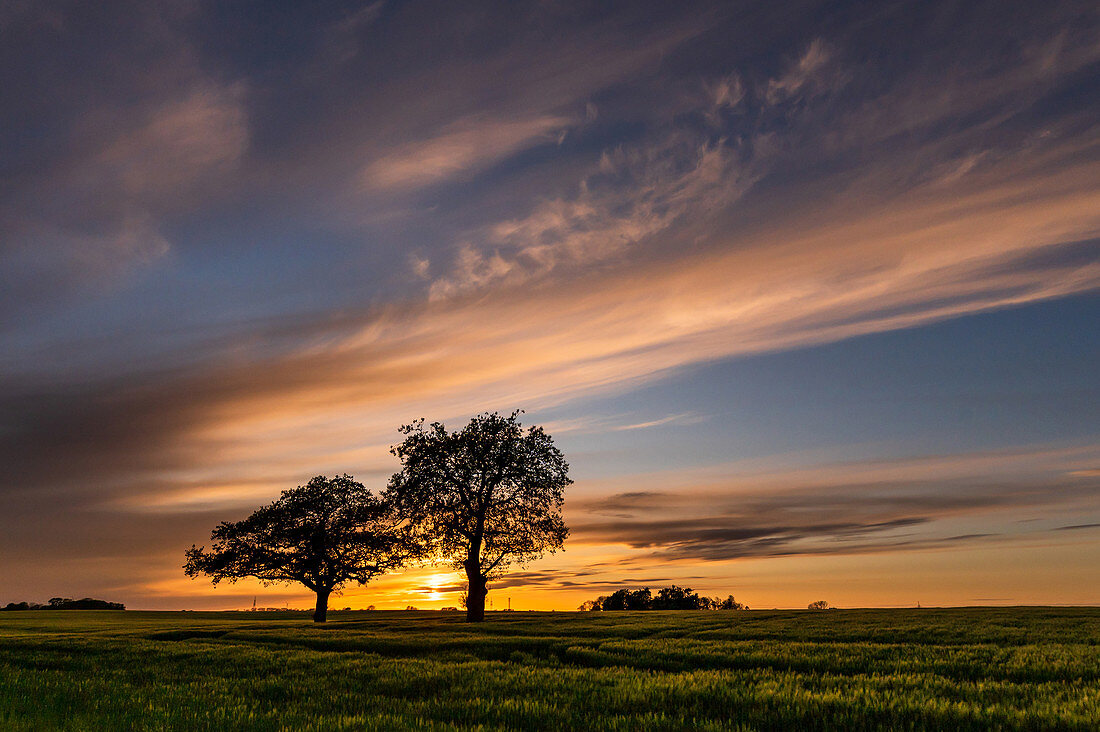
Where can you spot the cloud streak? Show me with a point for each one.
(865, 507)
(463, 147)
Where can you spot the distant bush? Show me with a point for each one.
(22, 606)
(65, 603)
(728, 604)
(819, 605)
(667, 598)
(87, 603)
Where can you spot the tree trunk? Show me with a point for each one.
(475, 596)
(321, 611)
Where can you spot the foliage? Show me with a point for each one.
(628, 600)
(482, 498)
(728, 604)
(87, 603)
(818, 605)
(322, 535)
(667, 598)
(679, 598)
(958, 669)
(65, 603)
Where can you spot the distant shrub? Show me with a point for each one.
(22, 606)
(818, 605)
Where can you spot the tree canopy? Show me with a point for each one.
(667, 598)
(324, 534)
(482, 498)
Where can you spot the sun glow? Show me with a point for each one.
(439, 586)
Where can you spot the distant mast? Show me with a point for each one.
(254, 603)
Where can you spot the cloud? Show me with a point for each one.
(84, 207)
(97, 219)
(345, 35)
(461, 148)
(842, 509)
(634, 195)
(807, 75)
(202, 134)
(927, 259)
(683, 185)
(672, 419)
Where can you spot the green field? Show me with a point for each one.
(1003, 668)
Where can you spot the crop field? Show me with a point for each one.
(977, 668)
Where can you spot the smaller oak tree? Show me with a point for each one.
(324, 534)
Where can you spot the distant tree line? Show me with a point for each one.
(65, 603)
(667, 598)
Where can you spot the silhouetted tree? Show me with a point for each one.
(729, 604)
(667, 598)
(679, 598)
(86, 603)
(324, 534)
(625, 599)
(482, 498)
(22, 606)
(818, 605)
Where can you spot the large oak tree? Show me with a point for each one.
(324, 534)
(483, 498)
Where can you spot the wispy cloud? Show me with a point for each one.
(90, 209)
(633, 195)
(810, 74)
(907, 505)
(201, 134)
(461, 148)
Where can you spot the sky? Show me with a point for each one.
(808, 293)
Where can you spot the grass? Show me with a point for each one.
(974, 668)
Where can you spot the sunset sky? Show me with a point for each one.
(807, 293)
